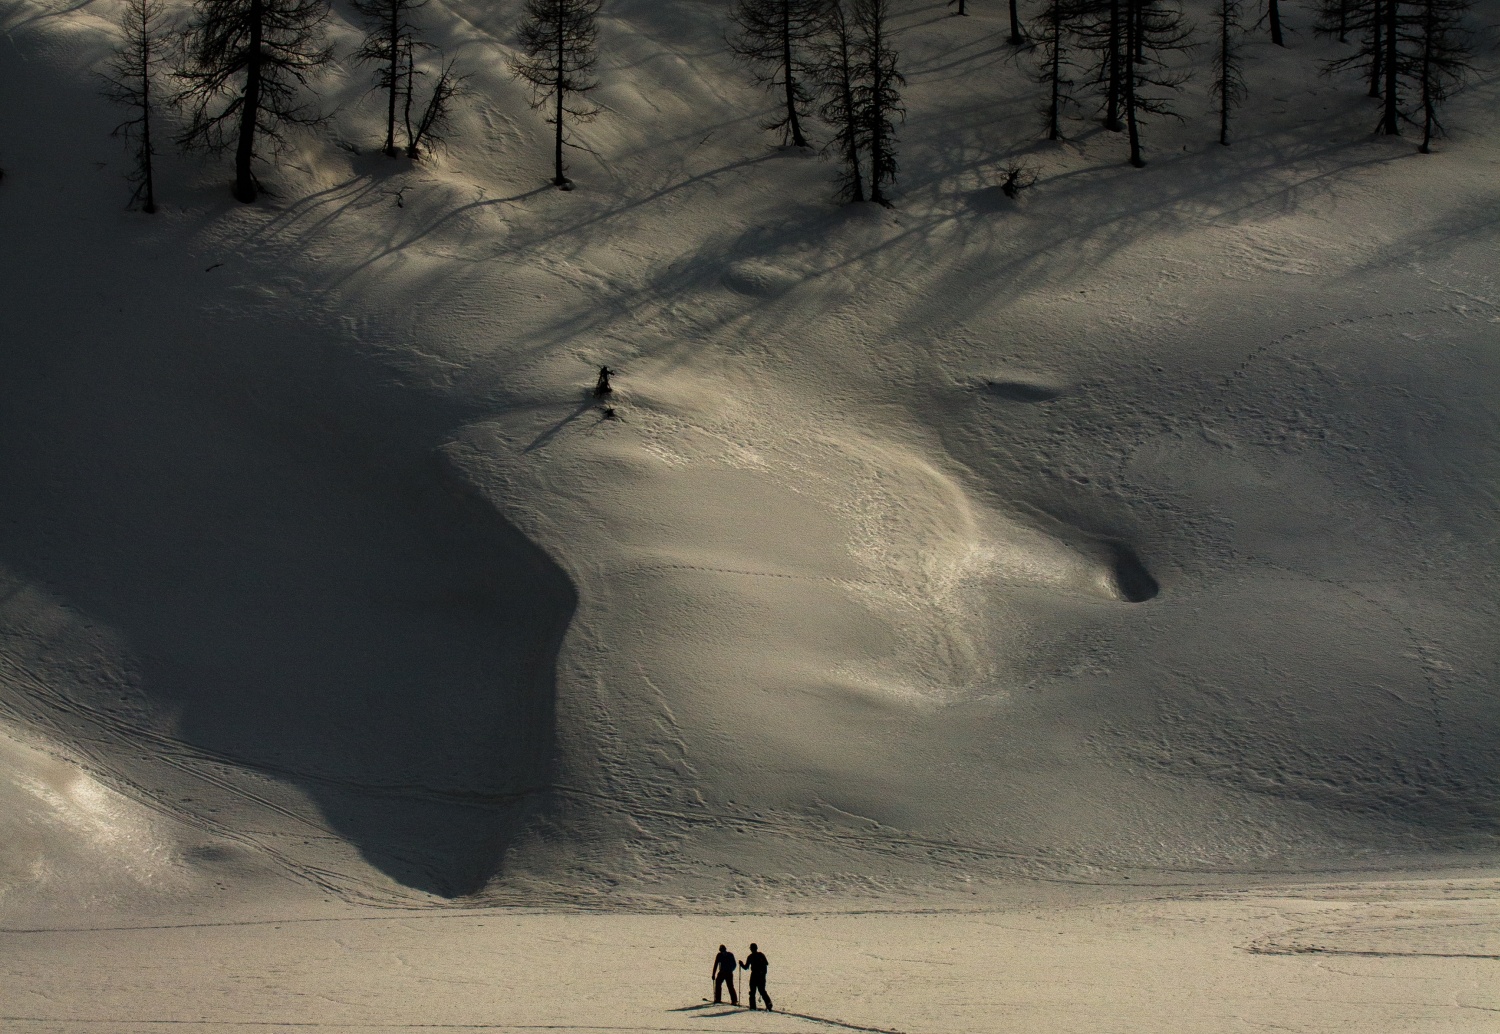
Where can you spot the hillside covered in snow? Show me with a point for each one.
(1138, 528)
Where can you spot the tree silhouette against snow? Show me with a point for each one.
(248, 63)
(432, 125)
(145, 35)
(1416, 53)
(834, 72)
(1017, 34)
(1273, 18)
(1154, 31)
(771, 36)
(877, 90)
(391, 37)
(1376, 54)
(559, 39)
(1053, 65)
(1099, 27)
(1443, 49)
(1229, 81)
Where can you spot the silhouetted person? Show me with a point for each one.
(724, 966)
(756, 963)
(602, 387)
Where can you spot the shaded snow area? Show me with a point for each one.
(985, 557)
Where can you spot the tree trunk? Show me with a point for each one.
(877, 138)
(1377, 46)
(1429, 114)
(798, 140)
(558, 179)
(1128, 81)
(390, 121)
(1273, 11)
(1054, 73)
(244, 179)
(1112, 99)
(411, 75)
(149, 205)
(851, 147)
(1390, 123)
(1224, 72)
(1016, 36)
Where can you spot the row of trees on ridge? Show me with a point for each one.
(240, 71)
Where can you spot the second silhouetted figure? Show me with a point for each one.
(757, 963)
(724, 966)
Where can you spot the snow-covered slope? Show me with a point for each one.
(1141, 528)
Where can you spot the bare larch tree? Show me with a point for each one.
(1099, 27)
(391, 37)
(1154, 31)
(1273, 18)
(248, 64)
(430, 130)
(1229, 80)
(772, 37)
(834, 72)
(877, 90)
(1366, 18)
(1443, 49)
(1416, 52)
(559, 40)
(1377, 54)
(1053, 66)
(130, 80)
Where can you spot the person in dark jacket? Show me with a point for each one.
(757, 963)
(724, 966)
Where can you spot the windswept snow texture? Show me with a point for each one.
(1140, 527)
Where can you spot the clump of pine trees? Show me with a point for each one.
(1412, 54)
(242, 73)
(840, 56)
